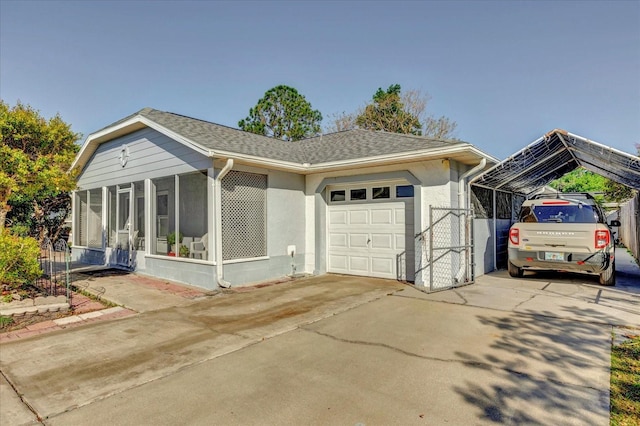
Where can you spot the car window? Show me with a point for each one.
(559, 213)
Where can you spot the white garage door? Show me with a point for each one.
(371, 235)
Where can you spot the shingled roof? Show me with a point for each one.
(217, 140)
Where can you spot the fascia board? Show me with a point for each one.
(259, 161)
(410, 156)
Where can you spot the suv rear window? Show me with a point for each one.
(574, 213)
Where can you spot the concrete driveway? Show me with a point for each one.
(335, 349)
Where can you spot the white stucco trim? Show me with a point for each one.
(180, 259)
(248, 259)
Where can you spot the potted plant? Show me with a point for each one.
(171, 240)
(184, 251)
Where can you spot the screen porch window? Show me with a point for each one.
(244, 215)
(89, 218)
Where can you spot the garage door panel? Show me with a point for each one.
(338, 240)
(359, 217)
(338, 263)
(399, 240)
(358, 240)
(338, 217)
(382, 217)
(382, 241)
(359, 264)
(383, 266)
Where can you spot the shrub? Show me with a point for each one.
(18, 260)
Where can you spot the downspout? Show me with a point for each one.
(462, 204)
(461, 185)
(217, 194)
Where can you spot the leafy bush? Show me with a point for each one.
(5, 321)
(18, 259)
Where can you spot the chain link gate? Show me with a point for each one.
(448, 247)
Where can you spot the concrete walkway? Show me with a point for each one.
(335, 349)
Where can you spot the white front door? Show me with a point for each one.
(371, 235)
(123, 225)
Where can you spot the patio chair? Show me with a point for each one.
(199, 247)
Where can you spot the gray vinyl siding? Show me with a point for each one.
(151, 155)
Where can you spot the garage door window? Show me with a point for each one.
(381, 193)
(404, 191)
(338, 196)
(358, 194)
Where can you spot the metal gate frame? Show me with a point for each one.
(450, 258)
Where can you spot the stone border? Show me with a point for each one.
(38, 305)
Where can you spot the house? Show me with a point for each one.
(189, 200)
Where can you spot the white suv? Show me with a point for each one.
(567, 232)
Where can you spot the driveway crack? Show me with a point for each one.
(524, 301)
(19, 395)
(469, 363)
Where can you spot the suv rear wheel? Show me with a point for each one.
(608, 276)
(514, 271)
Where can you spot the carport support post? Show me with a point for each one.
(495, 233)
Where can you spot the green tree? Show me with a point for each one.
(582, 180)
(388, 113)
(283, 113)
(398, 112)
(35, 157)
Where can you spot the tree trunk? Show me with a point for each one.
(3, 219)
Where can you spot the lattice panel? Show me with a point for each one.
(244, 215)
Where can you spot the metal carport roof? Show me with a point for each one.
(554, 154)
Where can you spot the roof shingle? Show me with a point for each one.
(346, 145)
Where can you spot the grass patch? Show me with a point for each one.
(625, 383)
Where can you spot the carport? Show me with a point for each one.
(498, 193)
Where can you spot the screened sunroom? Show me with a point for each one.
(167, 216)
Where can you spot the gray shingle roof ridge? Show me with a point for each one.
(145, 111)
(335, 135)
(412, 136)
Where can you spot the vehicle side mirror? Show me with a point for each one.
(614, 223)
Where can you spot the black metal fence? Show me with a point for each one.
(54, 262)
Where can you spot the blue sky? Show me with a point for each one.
(506, 71)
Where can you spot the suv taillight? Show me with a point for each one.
(514, 236)
(603, 238)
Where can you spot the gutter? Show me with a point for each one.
(217, 194)
(461, 184)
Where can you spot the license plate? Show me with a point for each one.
(552, 255)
